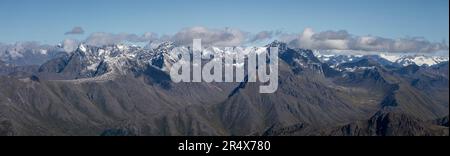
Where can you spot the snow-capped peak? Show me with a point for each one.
(82, 47)
(166, 45)
(390, 57)
(421, 60)
(121, 47)
(281, 45)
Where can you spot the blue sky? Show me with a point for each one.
(47, 20)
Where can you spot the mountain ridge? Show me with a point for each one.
(128, 91)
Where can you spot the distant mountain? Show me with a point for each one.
(334, 60)
(390, 60)
(421, 60)
(28, 53)
(126, 90)
(17, 71)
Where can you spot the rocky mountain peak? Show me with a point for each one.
(281, 45)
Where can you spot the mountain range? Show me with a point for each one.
(126, 90)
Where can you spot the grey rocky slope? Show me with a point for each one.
(382, 123)
(125, 90)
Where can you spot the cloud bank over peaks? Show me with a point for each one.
(329, 40)
(224, 37)
(210, 37)
(264, 35)
(102, 38)
(342, 40)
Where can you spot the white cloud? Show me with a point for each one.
(342, 40)
(101, 38)
(214, 37)
(70, 45)
(309, 39)
(75, 31)
(263, 35)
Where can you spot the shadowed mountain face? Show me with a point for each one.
(116, 90)
(442, 121)
(382, 123)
